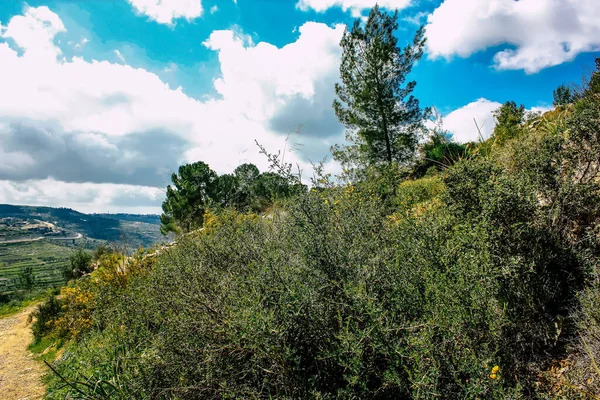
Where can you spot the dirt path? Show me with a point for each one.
(20, 374)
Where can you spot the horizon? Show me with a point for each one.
(78, 211)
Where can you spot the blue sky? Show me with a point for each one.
(104, 98)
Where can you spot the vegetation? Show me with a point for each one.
(9, 306)
(31, 265)
(382, 116)
(80, 263)
(196, 188)
(471, 273)
(36, 246)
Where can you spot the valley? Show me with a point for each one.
(36, 242)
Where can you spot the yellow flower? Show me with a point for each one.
(494, 374)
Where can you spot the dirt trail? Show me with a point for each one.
(20, 374)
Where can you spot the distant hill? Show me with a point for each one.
(147, 218)
(28, 222)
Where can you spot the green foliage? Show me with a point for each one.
(101, 251)
(44, 317)
(80, 263)
(375, 103)
(9, 305)
(198, 188)
(509, 120)
(26, 278)
(563, 95)
(28, 267)
(593, 86)
(194, 186)
(438, 153)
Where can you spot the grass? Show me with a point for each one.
(46, 349)
(15, 306)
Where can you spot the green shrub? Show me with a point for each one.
(331, 300)
(80, 263)
(45, 316)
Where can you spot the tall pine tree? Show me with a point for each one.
(375, 102)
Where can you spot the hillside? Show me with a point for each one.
(45, 259)
(28, 222)
(38, 241)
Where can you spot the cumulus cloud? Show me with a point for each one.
(33, 32)
(282, 86)
(166, 11)
(536, 34)
(461, 122)
(356, 7)
(103, 123)
(46, 150)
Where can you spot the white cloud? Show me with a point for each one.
(461, 122)
(257, 80)
(104, 123)
(356, 7)
(214, 9)
(34, 32)
(418, 18)
(538, 33)
(84, 197)
(166, 11)
(81, 43)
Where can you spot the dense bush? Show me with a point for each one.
(338, 297)
(80, 263)
(45, 316)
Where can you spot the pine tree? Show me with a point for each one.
(193, 189)
(375, 103)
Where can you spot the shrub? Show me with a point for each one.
(26, 278)
(80, 263)
(331, 299)
(45, 316)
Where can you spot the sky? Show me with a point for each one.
(102, 100)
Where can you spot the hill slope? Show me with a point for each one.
(27, 222)
(39, 240)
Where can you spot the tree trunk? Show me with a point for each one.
(388, 145)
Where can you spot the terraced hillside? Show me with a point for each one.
(132, 230)
(44, 237)
(47, 260)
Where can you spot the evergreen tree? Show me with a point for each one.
(593, 87)
(194, 187)
(375, 103)
(563, 95)
(510, 118)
